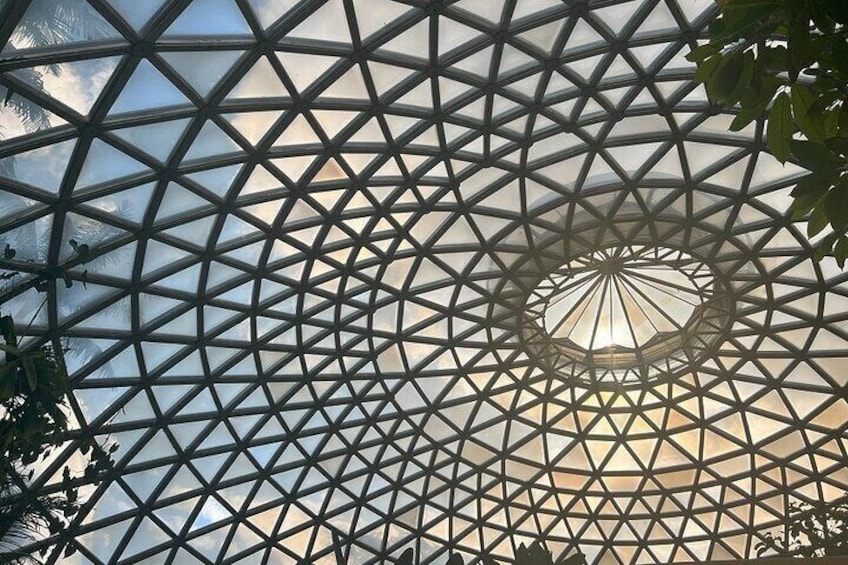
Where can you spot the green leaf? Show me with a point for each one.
(802, 100)
(7, 324)
(840, 251)
(30, 371)
(824, 99)
(837, 10)
(820, 18)
(817, 222)
(743, 81)
(698, 54)
(780, 127)
(756, 98)
(807, 193)
(830, 121)
(10, 349)
(742, 119)
(811, 184)
(725, 79)
(740, 15)
(836, 205)
(838, 145)
(801, 53)
(816, 157)
(825, 246)
(706, 68)
(8, 373)
(772, 59)
(840, 54)
(843, 120)
(746, 4)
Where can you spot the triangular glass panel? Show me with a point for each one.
(473, 110)
(413, 42)
(512, 59)
(157, 140)
(478, 64)
(330, 171)
(368, 133)
(632, 157)
(618, 16)
(77, 84)
(452, 34)
(585, 68)
(48, 23)
(294, 167)
(261, 81)
(211, 140)
(488, 10)
(327, 23)
(266, 212)
(373, 16)
(195, 232)
(333, 121)
(421, 96)
(386, 77)
(358, 161)
(304, 68)
(451, 89)
(144, 536)
(147, 89)
(129, 204)
(27, 167)
(582, 36)
(202, 69)
(350, 86)
(136, 13)
(648, 55)
(253, 125)
(530, 7)
(179, 200)
(23, 116)
(544, 36)
(104, 163)
(297, 133)
(209, 17)
(660, 19)
(217, 181)
(694, 12)
(269, 12)
(259, 181)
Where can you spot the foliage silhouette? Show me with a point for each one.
(48, 22)
(812, 531)
(535, 554)
(790, 59)
(33, 388)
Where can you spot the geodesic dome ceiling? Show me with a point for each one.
(366, 275)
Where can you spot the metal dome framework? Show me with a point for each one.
(314, 226)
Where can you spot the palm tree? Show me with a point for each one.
(45, 23)
(536, 554)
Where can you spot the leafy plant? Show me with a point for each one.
(789, 59)
(535, 554)
(33, 386)
(812, 531)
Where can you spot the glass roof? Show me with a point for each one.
(332, 243)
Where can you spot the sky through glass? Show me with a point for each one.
(377, 274)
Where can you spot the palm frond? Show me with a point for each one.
(48, 22)
(33, 116)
